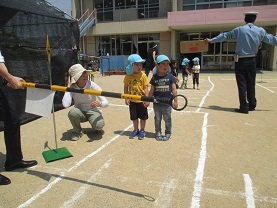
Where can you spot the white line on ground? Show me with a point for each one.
(49, 186)
(84, 188)
(165, 193)
(250, 201)
(265, 88)
(204, 98)
(49, 168)
(195, 201)
(240, 195)
(110, 104)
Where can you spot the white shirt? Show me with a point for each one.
(1, 58)
(83, 101)
(196, 68)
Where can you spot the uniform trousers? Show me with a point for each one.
(11, 131)
(245, 70)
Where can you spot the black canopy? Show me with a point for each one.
(24, 26)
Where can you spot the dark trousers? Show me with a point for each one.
(148, 67)
(11, 131)
(245, 70)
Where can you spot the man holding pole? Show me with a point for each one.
(14, 157)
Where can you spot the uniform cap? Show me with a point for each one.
(185, 60)
(133, 58)
(196, 59)
(161, 58)
(76, 71)
(251, 13)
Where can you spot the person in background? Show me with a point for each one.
(163, 85)
(195, 72)
(136, 83)
(174, 71)
(249, 38)
(185, 72)
(86, 107)
(150, 62)
(14, 157)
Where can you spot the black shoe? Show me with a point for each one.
(251, 109)
(21, 164)
(241, 111)
(4, 180)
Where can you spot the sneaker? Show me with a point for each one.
(167, 137)
(141, 135)
(159, 137)
(76, 136)
(134, 134)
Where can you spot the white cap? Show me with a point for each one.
(251, 13)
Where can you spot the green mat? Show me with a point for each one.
(56, 154)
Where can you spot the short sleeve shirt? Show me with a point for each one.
(163, 85)
(136, 83)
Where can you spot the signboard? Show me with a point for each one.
(193, 46)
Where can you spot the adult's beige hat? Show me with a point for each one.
(75, 72)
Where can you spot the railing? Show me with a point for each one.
(86, 21)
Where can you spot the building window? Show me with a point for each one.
(116, 45)
(125, 4)
(148, 8)
(106, 9)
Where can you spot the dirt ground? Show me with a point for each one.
(216, 157)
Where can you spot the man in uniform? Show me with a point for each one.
(249, 38)
(14, 157)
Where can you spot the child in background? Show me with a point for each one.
(185, 72)
(136, 83)
(195, 71)
(163, 85)
(174, 72)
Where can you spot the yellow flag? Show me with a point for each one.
(48, 49)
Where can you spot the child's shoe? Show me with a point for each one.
(141, 135)
(167, 137)
(134, 134)
(159, 137)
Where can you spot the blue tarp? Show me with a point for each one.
(112, 63)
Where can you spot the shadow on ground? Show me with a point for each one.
(128, 133)
(66, 136)
(47, 177)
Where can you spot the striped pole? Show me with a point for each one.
(97, 93)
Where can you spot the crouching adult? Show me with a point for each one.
(87, 108)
